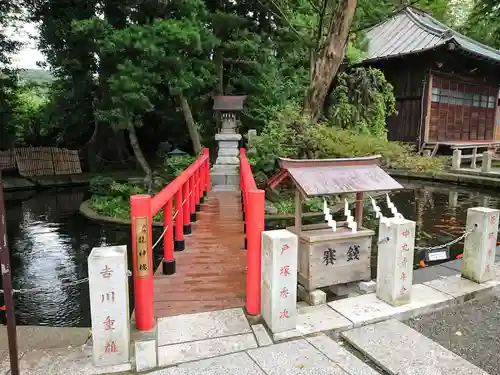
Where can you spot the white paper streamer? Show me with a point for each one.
(328, 217)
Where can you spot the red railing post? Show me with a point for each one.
(168, 240)
(197, 184)
(142, 261)
(201, 184)
(185, 208)
(256, 204)
(207, 170)
(179, 230)
(192, 204)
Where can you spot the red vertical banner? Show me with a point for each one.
(142, 261)
(255, 227)
(168, 240)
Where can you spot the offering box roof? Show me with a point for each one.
(319, 177)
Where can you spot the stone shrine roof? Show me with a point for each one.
(316, 177)
(229, 103)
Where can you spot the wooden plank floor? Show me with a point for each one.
(211, 272)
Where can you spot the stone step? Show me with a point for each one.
(400, 350)
(221, 178)
(339, 355)
(225, 169)
(227, 160)
(192, 337)
(225, 188)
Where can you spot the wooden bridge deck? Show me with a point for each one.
(211, 272)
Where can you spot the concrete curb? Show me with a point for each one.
(466, 178)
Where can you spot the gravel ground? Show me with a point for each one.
(471, 330)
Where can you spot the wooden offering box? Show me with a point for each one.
(327, 257)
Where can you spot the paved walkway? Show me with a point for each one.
(470, 330)
(354, 336)
(211, 271)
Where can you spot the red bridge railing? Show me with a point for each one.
(184, 194)
(253, 201)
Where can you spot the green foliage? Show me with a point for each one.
(175, 165)
(483, 22)
(29, 123)
(112, 199)
(115, 207)
(361, 101)
(285, 206)
(170, 52)
(101, 185)
(291, 135)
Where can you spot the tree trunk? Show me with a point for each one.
(193, 130)
(140, 157)
(219, 87)
(329, 58)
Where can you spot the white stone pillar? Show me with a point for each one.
(279, 280)
(480, 244)
(456, 160)
(396, 243)
(486, 162)
(109, 305)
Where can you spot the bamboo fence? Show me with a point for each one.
(41, 161)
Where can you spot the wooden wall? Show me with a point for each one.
(410, 77)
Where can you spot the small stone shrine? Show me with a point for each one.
(334, 253)
(225, 174)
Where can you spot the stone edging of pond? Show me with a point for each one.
(90, 214)
(466, 178)
(13, 183)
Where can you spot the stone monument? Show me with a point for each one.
(396, 244)
(225, 173)
(279, 280)
(480, 244)
(109, 305)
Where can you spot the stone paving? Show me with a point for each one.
(470, 330)
(225, 341)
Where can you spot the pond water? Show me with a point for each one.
(439, 210)
(50, 242)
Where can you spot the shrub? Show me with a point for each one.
(175, 165)
(101, 185)
(291, 135)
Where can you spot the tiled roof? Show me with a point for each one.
(412, 30)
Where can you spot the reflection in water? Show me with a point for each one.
(439, 210)
(49, 243)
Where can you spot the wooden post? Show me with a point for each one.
(256, 227)
(298, 211)
(359, 210)
(7, 286)
(142, 260)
